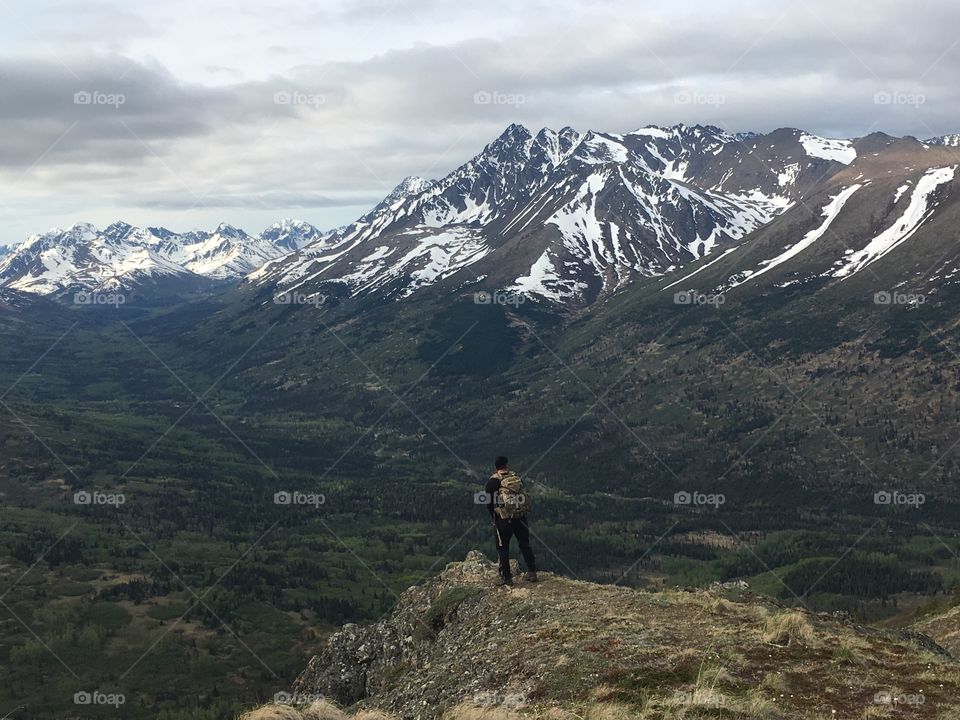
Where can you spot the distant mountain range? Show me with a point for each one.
(561, 217)
(123, 256)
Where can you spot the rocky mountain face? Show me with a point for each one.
(123, 256)
(950, 140)
(457, 647)
(569, 217)
(885, 224)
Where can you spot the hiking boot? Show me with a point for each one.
(505, 582)
(531, 577)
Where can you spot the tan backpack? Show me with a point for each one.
(513, 500)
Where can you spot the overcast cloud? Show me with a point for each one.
(186, 114)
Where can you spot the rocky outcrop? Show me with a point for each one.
(362, 662)
(563, 646)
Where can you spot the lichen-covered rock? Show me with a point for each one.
(359, 662)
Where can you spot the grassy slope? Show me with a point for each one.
(585, 648)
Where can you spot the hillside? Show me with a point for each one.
(459, 647)
(308, 400)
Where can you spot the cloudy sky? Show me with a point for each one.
(189, 113)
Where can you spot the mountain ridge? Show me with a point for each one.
(561, 218)
(567, 216)
(122, 256)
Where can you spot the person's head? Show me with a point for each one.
(501, 462)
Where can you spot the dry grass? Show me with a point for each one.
(273, 711)
(789, 628)
(877, 711)
(852, 651)
(756, 613)
(318, 710)
(603, 693)
(758, 707)
(467, 711)
(682, 659)
(324, 710)
(723, 606)
(611, 711)
(713, 675)
(775, 681)
(559, 714)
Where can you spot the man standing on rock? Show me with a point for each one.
(508, 504)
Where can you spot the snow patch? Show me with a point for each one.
(903, 229)
(829, 149)
(544, 281)
(830, 212)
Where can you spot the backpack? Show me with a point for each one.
(513, 501)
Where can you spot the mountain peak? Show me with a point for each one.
(290, 234)
(118, 230)
(516, 131)
(227, 230)
(413, 185)
(514, 137)
(80, 227)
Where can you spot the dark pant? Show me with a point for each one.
(506, 529)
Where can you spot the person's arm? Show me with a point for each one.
(491, 489)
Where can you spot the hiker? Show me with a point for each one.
(508, 504)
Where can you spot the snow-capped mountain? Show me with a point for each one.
(564, 216)
(292, 235)
(124, 256)
(408, 187)
(948, 140)
(567, 216)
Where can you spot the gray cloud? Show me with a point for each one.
(383, 90)
(263, 201)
